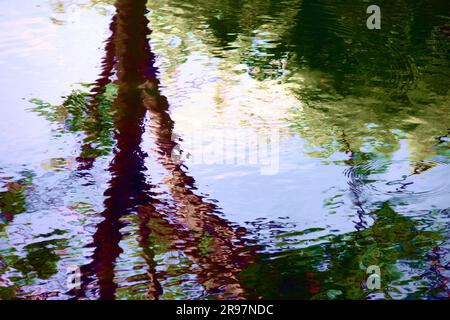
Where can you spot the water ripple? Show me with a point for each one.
(400, 179)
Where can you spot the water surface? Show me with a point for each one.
(224, 149)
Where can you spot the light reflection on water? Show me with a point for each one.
(360, 119)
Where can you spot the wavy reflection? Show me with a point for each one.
(371, 104)
(128, 193)
(220, 267)
(127, 187)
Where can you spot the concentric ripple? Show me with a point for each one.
(400, 179)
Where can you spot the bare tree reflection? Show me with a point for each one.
(128, 192)
(108, 62)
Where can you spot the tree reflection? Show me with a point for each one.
(128, 193)
(37, 260)
(335, 267)
(360, 93)
(377, 88)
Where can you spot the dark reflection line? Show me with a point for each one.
(128, 193)
(127, 187)
(228, 253)
(144, 216)
(362, 223)
(435, 257)
(108, 63)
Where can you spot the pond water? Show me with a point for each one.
(251, 149)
